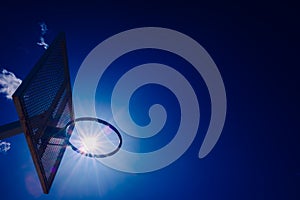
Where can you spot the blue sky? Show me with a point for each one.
(254, 46)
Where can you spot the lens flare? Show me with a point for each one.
(93, 138)
(89, 144)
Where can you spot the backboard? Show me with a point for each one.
(44, 105)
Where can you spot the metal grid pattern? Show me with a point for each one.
(44, 105)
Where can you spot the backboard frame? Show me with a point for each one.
(45, 118)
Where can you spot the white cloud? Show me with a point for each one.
(4, 146)
(43, 43)
(42, 39)
(44, 28)
(8, 83)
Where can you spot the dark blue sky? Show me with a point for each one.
(255, 47)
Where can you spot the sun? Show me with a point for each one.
(89, 144)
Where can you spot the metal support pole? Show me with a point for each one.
(11, 129)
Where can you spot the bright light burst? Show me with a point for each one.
(89, 144)
(92, 138)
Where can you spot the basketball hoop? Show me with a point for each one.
(71, 126)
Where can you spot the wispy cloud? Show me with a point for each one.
(8, 83)
(43, 43)
(4, 147)
(44, 30)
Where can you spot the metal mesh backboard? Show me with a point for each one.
(44, 105)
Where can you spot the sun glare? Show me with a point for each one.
(92, 139)
(89, 144)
